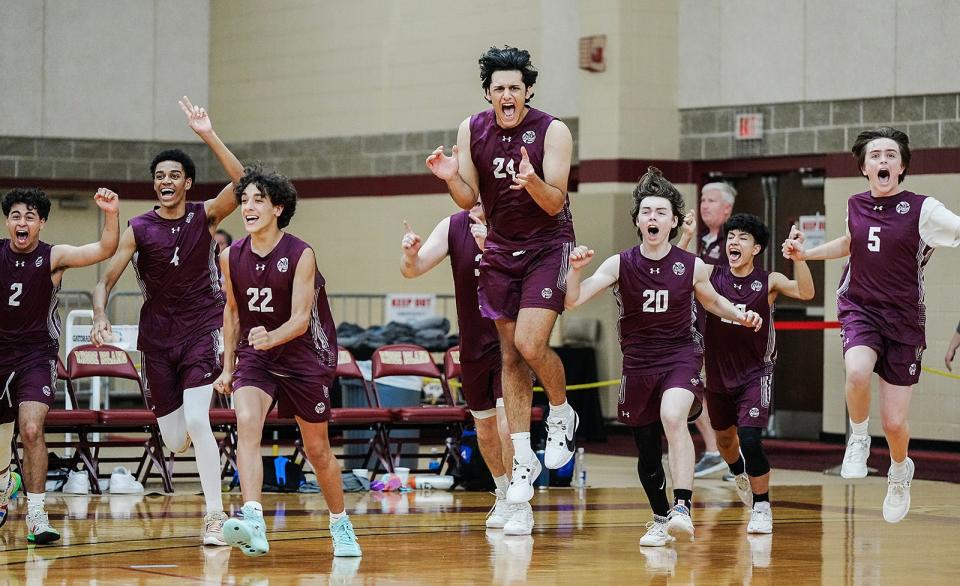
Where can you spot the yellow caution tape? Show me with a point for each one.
(604, 383)
(941, 372)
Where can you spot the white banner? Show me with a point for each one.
(407, 307)
(814, 228)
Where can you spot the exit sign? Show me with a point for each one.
(748, 126)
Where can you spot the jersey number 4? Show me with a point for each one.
(14, 300)
(260, 299)
(498, 171)
(655, 301)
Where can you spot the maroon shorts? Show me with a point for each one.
(639, 400)
(32, 379)
(745, 406)
(897, 363)
(166, 373)
(482, 383)
(514, 280)
(305, 395)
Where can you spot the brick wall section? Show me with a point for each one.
(819, 127)
(351, 156)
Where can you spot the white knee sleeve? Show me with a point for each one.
(196, 409)
(173, 430)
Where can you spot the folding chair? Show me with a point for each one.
(372, 417)
(410, 359)
(109, 361)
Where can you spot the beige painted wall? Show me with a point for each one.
(935, 409)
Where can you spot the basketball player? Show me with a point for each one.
(30, 275)
(739, 362)
(517, 160)
(461, 236)
(174, 255)
(891, 233)
(654, 284)
(280, 344)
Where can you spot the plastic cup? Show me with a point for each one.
(403, 474)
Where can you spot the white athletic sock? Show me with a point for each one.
(898, 470)
(502, 483)
(522, 452)
(35, 500)
(860, 428)
(334, 517)
(711, 453)
(561, 410)
(196, 411)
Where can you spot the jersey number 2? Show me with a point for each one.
(14, 300)
(260, 299)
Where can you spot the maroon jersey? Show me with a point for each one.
(884, 276)
(735, 355)
(263, 290)
(515, 220)
(176, 265)
(655, 299)
(714, 253)
(478, 336)
(29, 321)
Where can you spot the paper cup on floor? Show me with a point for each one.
(403, 474)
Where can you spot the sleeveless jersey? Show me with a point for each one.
(263, 290)
(478, 335)
(29, 322)
(177, 269)
(884, 276)
(735, 355)
(655, 300)
(515, 220)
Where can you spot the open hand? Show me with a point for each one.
(441, 165)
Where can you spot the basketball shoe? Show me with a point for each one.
(9, 493)
(248, 533)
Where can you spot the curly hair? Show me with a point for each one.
(654, 184)
(750, 224)
(859, 148)
(507, 59)
(276, 186)
(177, 156)
(35, 199)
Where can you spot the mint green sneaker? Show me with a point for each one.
(249, 534)
(344, 539)
(10, 492)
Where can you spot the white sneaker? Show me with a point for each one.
(212, 533)
(660, 560)
(743, 489)
(561, 442)
(896, 505)
(521, 481)
(500, 513)
(855, 457)
(521, 520)
(679, 523)
(761, 519)
(77, 483)
(656, 535)
(122, 482)
(38, 527)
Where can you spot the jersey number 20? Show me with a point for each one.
(655, 301)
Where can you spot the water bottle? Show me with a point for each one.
(579, 470)
(435, 462)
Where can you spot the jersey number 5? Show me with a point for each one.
(873, 239)
(263, 296)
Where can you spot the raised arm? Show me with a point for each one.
(65, 256)
(688, 229)
(836, 248)
(101, 293)
(579, 292)
(801, 286)
(225, 202)
(718, 304)
(418, 259)
(301, 307)
(550, 192)
(458, 169)
(231, 330)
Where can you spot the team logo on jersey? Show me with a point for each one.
(283, 264)
(38, 262)
(754, 412)
(679, 268)
(547, 293)
(261, 267)
(46, 391)
(903, 207)
(756, 285)
(189, 217)
(320, 408)
(913, 369)
(529, 136)
(695, 381)
(654, 270)
(19, 263)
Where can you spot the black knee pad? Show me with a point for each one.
(650, 448)
(751, 445)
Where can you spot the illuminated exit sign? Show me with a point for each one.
(748, 126)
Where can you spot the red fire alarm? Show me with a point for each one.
(592, 50)
(748, 126)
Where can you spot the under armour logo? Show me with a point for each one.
(655, 270)
(20, 263)
(174, 230)
(261, 267)
(625, 414)
(737, 286)
(505, 138)
(878, 208)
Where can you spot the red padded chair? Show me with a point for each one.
(452, 371)
(372, 417)
(410, 359)
(109, 361)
